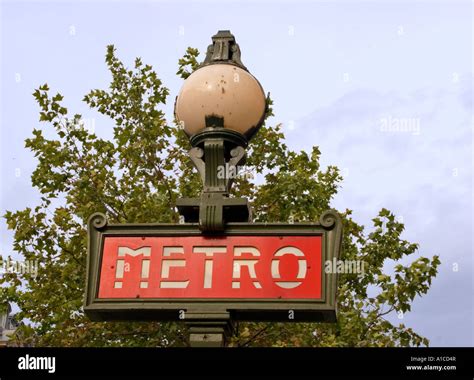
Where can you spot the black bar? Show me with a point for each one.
(243, 362)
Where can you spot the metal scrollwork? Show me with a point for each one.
(98, 220)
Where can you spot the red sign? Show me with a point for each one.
(250, 267)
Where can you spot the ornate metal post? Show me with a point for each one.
(217, 152)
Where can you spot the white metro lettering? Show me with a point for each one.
(301, 267)
(244, 266)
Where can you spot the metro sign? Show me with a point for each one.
(201, 267)
(254, 271)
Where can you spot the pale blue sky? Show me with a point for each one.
(337, 71)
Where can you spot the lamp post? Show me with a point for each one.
(220, 106)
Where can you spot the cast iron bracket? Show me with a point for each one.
(217, 153)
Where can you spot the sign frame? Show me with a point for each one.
(329, 227)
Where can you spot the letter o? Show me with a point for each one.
(275, 267)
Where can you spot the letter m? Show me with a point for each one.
(123, 251)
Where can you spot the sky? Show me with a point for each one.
(384, 88)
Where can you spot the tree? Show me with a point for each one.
(138, 176)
